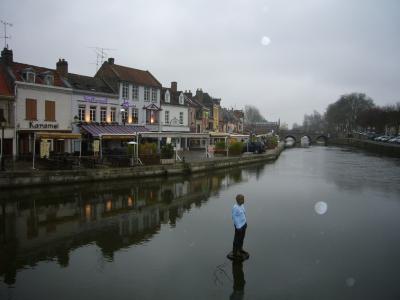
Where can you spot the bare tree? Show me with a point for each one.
(252, 115)
(343, 114)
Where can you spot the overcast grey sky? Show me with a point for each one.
(285, 57)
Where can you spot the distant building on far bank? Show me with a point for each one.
(261, 127)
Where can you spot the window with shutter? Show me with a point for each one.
(50, 111)
(31, 109)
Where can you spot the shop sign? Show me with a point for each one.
(43, 125)
(125, 104)
(92, 99)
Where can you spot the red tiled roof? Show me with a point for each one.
(5, 90)
(123, 73)
(97, 130)
(18, 68)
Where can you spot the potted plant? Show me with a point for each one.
(220, 149)
(167, 154)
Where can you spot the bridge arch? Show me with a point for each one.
(310, 140)
(291, 137)
(323, 138)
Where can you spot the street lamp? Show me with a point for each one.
(123, 114)
(3, 122)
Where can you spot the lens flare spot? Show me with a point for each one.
(321, 207)
(265, 41)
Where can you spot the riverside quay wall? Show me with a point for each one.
(377, 147)
(9, 180)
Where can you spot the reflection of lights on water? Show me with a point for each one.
(88, 210)
(130, 201)
(108, 205)
(321, 207)
(350, 282)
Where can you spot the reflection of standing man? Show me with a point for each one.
(240, 223)
(238, 281)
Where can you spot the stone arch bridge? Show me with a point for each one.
(298, 134)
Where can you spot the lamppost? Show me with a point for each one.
(75, 123)
(2, 124)
(123, 115)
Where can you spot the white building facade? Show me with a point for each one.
(42, 108)
(139, 94)
(140, 105)
(174, 111)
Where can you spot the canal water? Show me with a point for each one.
(323, 223)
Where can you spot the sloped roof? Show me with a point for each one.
(205, 99)
(113, 73)
(228, 115)
(194, 102)
(88, 83)
(174, 97)
(17, 70)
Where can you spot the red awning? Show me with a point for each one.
(109, 130)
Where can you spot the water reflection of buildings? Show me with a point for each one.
(113, 216)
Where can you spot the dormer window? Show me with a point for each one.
(167, 97)
(181, 99)
(29, 75)
(48, 79)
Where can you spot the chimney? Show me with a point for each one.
(189, 93)
(62, 67)
(7, 56)
(111, 60)
(174, 86)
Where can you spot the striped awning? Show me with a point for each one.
(58, 135)
(109, 130)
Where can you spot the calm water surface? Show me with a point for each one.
(323, 223)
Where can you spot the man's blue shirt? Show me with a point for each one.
(238, 216)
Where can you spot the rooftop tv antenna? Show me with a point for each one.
(5, 37)
(101, 55)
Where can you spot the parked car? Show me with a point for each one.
(372, 135)
(380, 138)
(387, 138)
(395, 140)
(255, 147)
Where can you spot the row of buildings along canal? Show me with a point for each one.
(71, 111)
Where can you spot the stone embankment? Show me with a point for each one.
(377, 147)
(40, 177)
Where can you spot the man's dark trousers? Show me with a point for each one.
(239, 238)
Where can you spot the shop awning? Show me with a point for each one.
(109, 131)
(239, 136)
(164, 134)
(218, 134)
(58, 135)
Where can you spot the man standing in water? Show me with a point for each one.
(239, 221)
